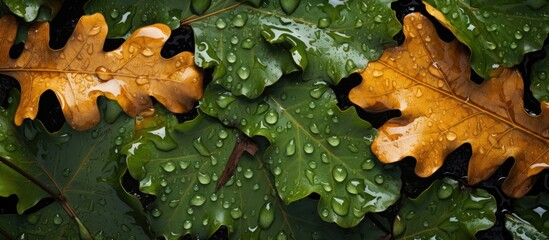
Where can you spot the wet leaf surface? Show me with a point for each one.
(540, 78)
(85, 169)
(529, 218)
(497, 32)
(181, 164)
(315, 147)
(428, 81)
(31, 10)
(80, 72)
(445, 210)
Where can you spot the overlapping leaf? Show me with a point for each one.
(428, 81)
(530, 217)
(445, 211)
(315, 147)
(31, 10)
(540, 78)
(497, 32)
(85, 168)
(326, 38)
(81, 71)
(125, 16)
(182, 163)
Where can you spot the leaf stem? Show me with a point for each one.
(244, 144)
(16, 168)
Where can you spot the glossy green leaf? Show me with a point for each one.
(334, 39)
(31, 10)
(540, 78)
(182, 163)
(125, 16)
(11, 182)
(497, 32)
(85, 169)
(530, 217)
(315, 147)
(445, 211)
(522, 229)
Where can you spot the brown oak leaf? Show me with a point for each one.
(81, 71)
(428, 80)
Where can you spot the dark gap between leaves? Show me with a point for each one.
(49, 112)
(131, 186)
(6, 84)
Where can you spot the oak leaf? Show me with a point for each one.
(81, 71)
(428, 81)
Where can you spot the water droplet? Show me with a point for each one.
(187, 224)
(378, 19)
(513, 45)
(118, 141)
(281, 236)
(340, 205)
(248, 43)
(243, 72)
(277, 171)
(289, 6)
(324, 212)
(353, 186)
(410, 215)
(200, 6)
(168, 166)
(290, 148)
(114, 13)
(240, 19)
(398, 226)
(353, 148)
(231, 57)
(377, 73)
(234, 40)
(203, 178)
(57, 219)
(220, 23)
(312, 164)
(324, 22)
(198, 200)
(379, 179)
(339, 173)
(147, 52)
(223, 134)
(103, 73)
(235, 213)
(200, 148)
(248, 173)
(314, 128)
(333, 141)
(266, 216)
(368, 164)
(308, 148)
(518, 35)
(271, 117)
(324, 157)
(490, 45)
(451, 136)
(526, 28)
(444, 191)
(184, 164)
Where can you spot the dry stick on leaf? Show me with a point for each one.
(244, 144)
(81, 71)
(428, 81)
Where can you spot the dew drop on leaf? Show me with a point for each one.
(57, 219)
(340, 205)
(333, 141)
(236, 213)
(168, 166)
(339, 173)
(220, 23)
(379, 179)
(289, 6)
(444, 191)
(271, 117)
(368, 164)
(266, 216)
(240, 19)
(198, 200)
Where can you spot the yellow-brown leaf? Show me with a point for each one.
(428, 81)
(81, 71)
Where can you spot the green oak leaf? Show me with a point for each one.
(31, 10)
(445, 211)
(85, 169)
(333, 38)
(315, 147)
(497, 32)
(522, 229)
(125, 16)
(336, 38)
(184, 180)
(540, 78)
(12, 148)
(530, 217)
